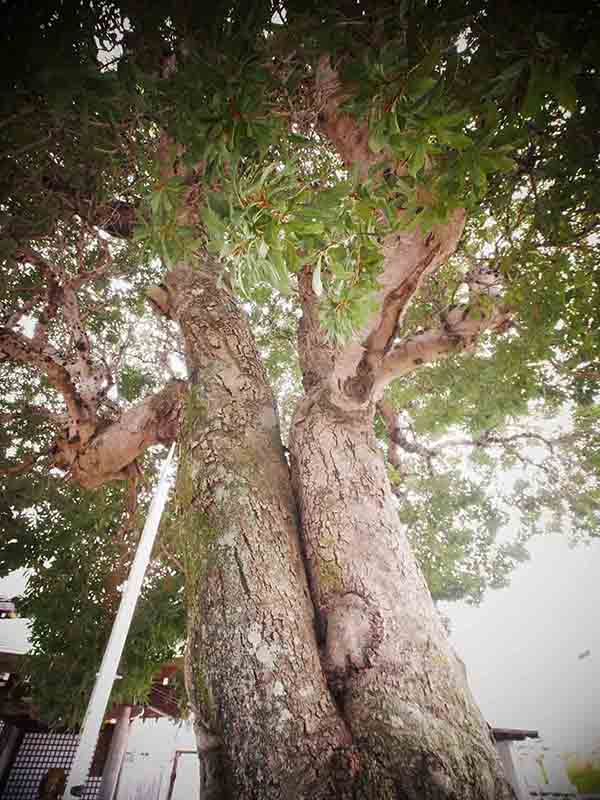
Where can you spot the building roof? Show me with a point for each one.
(513, 734)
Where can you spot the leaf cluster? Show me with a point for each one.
(453, 527)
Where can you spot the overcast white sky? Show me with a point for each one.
(521, 645)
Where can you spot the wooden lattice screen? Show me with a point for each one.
(37, 753)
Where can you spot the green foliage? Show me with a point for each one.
(133, 382)
(162, 233)
(560, 490)
(269, 222)
(75, 544)
(453, 525)
(72, 541)
(415, 117)
(466, 391)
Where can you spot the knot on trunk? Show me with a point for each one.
(354, 633)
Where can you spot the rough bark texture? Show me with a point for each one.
(389, 666)
(116, 445)
(363, 699)
(316, 353)
(268, 725)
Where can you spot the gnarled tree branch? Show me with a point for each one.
(459, 333)
(94, 450)
(14, 346)
(116, 445)
(391, 417)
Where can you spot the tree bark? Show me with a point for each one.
(395, 679)
(363, 699)
(267, 725)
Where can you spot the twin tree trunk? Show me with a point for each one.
(316, 663)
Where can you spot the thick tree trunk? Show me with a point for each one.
(394, 676)
(268, 726)
(363, 699)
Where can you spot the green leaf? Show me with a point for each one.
(536, 90)
(417, 160)
(419, 86)
(377, 141)
(155, 202)
(213, 222)
(454, 139)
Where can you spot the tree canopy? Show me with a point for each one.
(295, 143)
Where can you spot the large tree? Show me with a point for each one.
(396, 203)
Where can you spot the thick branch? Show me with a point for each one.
(379, 339)
(92, 450)
(14, 346)
(390, 416)
(78, 377)
(458, 334)
(93, 380)
(316, 351)
(112, 450)
(408, 259)
(350, 138)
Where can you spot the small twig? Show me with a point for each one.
(392, 420)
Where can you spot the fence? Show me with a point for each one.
(37, 753)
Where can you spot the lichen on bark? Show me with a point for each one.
(318, 670)
(416, 731)
(255, 666)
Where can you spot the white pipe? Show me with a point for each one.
(114, 649)
(116, 754)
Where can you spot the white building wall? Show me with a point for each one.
(506, 757)
(149, 759)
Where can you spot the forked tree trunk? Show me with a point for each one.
(361, 699)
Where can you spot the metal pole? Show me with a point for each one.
(114, 649)
(116, 753)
